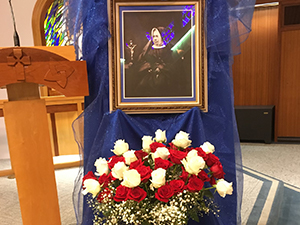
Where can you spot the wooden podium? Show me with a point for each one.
(22, 70)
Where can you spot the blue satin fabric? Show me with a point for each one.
(218, 126)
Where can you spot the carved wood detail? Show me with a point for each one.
(42, 67)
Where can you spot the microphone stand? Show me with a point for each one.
(16, 36)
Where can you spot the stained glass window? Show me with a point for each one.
(56, 33)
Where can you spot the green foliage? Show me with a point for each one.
(193, 214)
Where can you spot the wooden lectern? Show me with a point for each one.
(21, 71)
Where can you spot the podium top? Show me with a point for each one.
(50, 66)
(68, 52)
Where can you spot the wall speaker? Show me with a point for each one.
(291, 15)
(255, 123)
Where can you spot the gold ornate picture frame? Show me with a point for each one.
(157, 54)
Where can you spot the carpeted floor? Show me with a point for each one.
(10, 213)
(271, 188)
(271, 184)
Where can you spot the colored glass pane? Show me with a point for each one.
(56, 33)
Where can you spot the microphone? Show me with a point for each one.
(16, 36)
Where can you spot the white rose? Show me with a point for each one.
(191, 154)
(120, 147)
(118, 170)
(158, 178)
(207, 147)
(193, 163)
(129, 157)
(132, 178)
(91, 186)
(147, 141)
(224, 188)
(161, 152)
(101, 167)
(182, 140)
(160, 136)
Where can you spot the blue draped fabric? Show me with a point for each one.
(227, 25)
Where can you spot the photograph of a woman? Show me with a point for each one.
(157, 55)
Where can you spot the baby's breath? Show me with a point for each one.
(177, 207)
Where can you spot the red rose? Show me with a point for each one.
(135, 164)
(177, 185)
(137, 194)
(172, 146)
(176, 156)
(104, 195)
(212, 181)
(104, 180)
(211, 159)
(184, 175)
(121, 193)
(140, 154)
(188, 149)
(217, 170)
(203, 176)
(89, 175)
(145, 172)
(156, 145)
(195, 184)
(164, 193)
(114, 159)
(201, 153)
(162, 163)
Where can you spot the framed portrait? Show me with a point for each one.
(157, 56)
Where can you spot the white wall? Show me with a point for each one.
(23, 12)
(4, 152)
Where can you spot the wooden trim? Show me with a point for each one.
(289, 2)
(56, 104)
(67, 52)
(68, 165)
(38, 17)
(10, 172)
(277, 87)
(290, 27)
(54, 134)
(276, 92)
(289, 139)
(61, 100)
(280, 1)
(4, 173)
(62, 108)
(264, 1)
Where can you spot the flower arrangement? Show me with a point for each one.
(160, 184)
